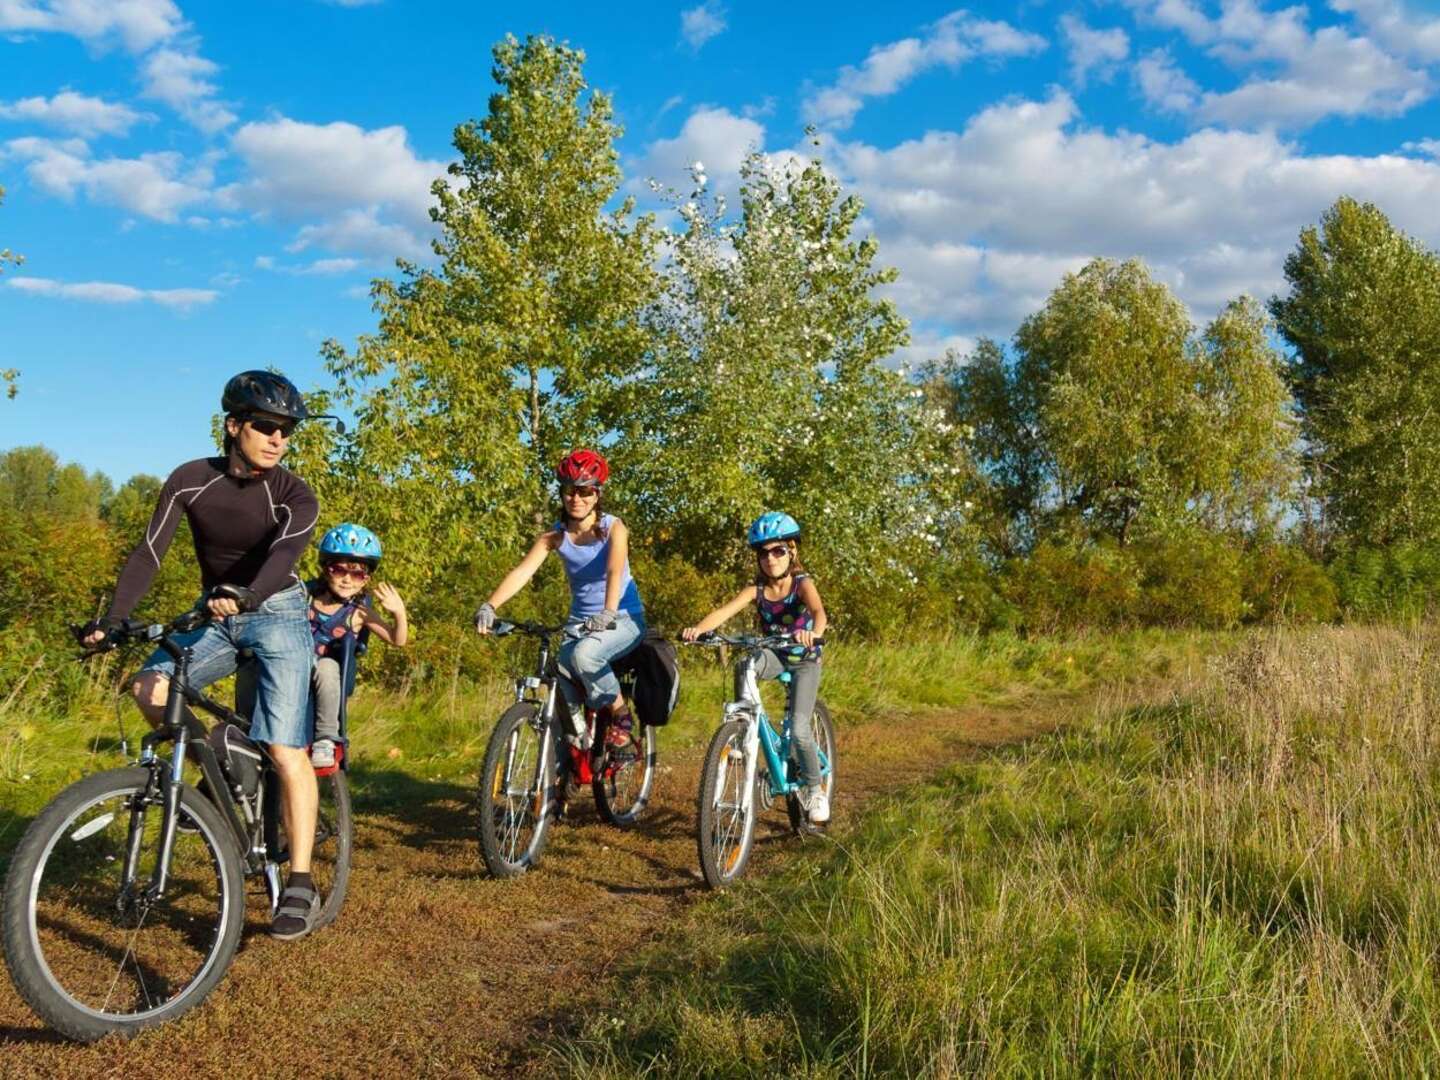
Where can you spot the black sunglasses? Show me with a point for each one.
(584, 491)
(773, 552)
(286, 428)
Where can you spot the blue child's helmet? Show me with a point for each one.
(772, 526)
(350, 541)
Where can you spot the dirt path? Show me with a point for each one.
(435, 969)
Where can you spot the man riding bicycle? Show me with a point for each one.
(251, 520)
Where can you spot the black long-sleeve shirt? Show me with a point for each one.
(248, 531)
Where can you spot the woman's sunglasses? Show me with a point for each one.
(579, 492)
(359, 573)
(773, 552)
(286, 428)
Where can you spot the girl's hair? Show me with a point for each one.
(794, 566)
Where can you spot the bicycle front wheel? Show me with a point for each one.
(94, 955)
(515, 792)
(622, 789)
(726, 818)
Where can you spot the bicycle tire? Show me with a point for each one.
(515, 820)
(334, 841)
(825, 742)
(725, 830)
(621, 796)
(62, 941)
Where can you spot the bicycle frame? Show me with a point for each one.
(760, 733)
(183, 727)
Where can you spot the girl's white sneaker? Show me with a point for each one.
(816, 804)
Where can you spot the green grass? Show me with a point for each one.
(1239, 878)
(438, 731)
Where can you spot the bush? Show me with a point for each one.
(1063, 585)
(1397, 582)
(1281, 583)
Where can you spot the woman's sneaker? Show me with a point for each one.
(322, 754)
(816, 804)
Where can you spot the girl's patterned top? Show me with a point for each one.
(786, 616)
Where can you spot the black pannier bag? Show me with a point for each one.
(240, 758)
(657, 678)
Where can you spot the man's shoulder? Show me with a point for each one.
(201, 471)
(286, 486)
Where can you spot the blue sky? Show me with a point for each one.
(199, 188)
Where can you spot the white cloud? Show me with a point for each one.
(712, 135)
(699, 24)
(135, 24)
(181, 79)
(1428, 147)
(950, 42)
(317, 268)
(298, 169)
(73, 112)
(109, 292)
(1294, 77)
(982, 222)
(1090, 50)
(371, 187)
(1163, 85)
(156, 185)
(1395, 28)
(363, 233)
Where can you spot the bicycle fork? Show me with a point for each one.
(170, 820)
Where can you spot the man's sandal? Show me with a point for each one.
(299, 908)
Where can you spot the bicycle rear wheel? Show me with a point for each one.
(516, 786)
(622, 788)
(93, 956)
(824, 742)
(334, 840)
(726, 830)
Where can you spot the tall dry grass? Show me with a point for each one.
(1240, 878)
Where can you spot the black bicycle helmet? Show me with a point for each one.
(262, 392)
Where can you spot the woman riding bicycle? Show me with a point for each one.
(787, 602)
(606, 617)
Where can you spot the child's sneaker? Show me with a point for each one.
(816, 804)
(322, 754)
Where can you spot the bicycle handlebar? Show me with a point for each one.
(131, 631)
(715, 639)
(504, 627)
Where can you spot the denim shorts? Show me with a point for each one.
(278, 635)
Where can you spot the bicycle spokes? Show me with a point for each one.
(117, 948)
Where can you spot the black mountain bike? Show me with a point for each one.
(537, 756)
(125, 899)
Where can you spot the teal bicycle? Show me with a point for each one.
(748, 766)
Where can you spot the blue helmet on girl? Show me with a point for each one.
(350, 541)
(773, 525)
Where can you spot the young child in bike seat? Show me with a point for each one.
(606, 619)
(342, 619)
(786, 602)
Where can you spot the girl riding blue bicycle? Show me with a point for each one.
(786, 602)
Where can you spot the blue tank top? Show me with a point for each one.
(585, 568)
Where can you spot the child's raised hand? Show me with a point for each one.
(389, 598)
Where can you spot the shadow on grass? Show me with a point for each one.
(33, 1036)
(425, 807)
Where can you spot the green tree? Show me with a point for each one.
(1115, 415)
(32, 481)
(1363, 314)
(768, 390)
(487, 367)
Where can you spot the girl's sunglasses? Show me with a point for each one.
(359, 573)
(267, 428)
(773, 552)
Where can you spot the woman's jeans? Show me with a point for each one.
(804, 687)
(587, 658)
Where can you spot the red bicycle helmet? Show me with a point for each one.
(583, 468)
